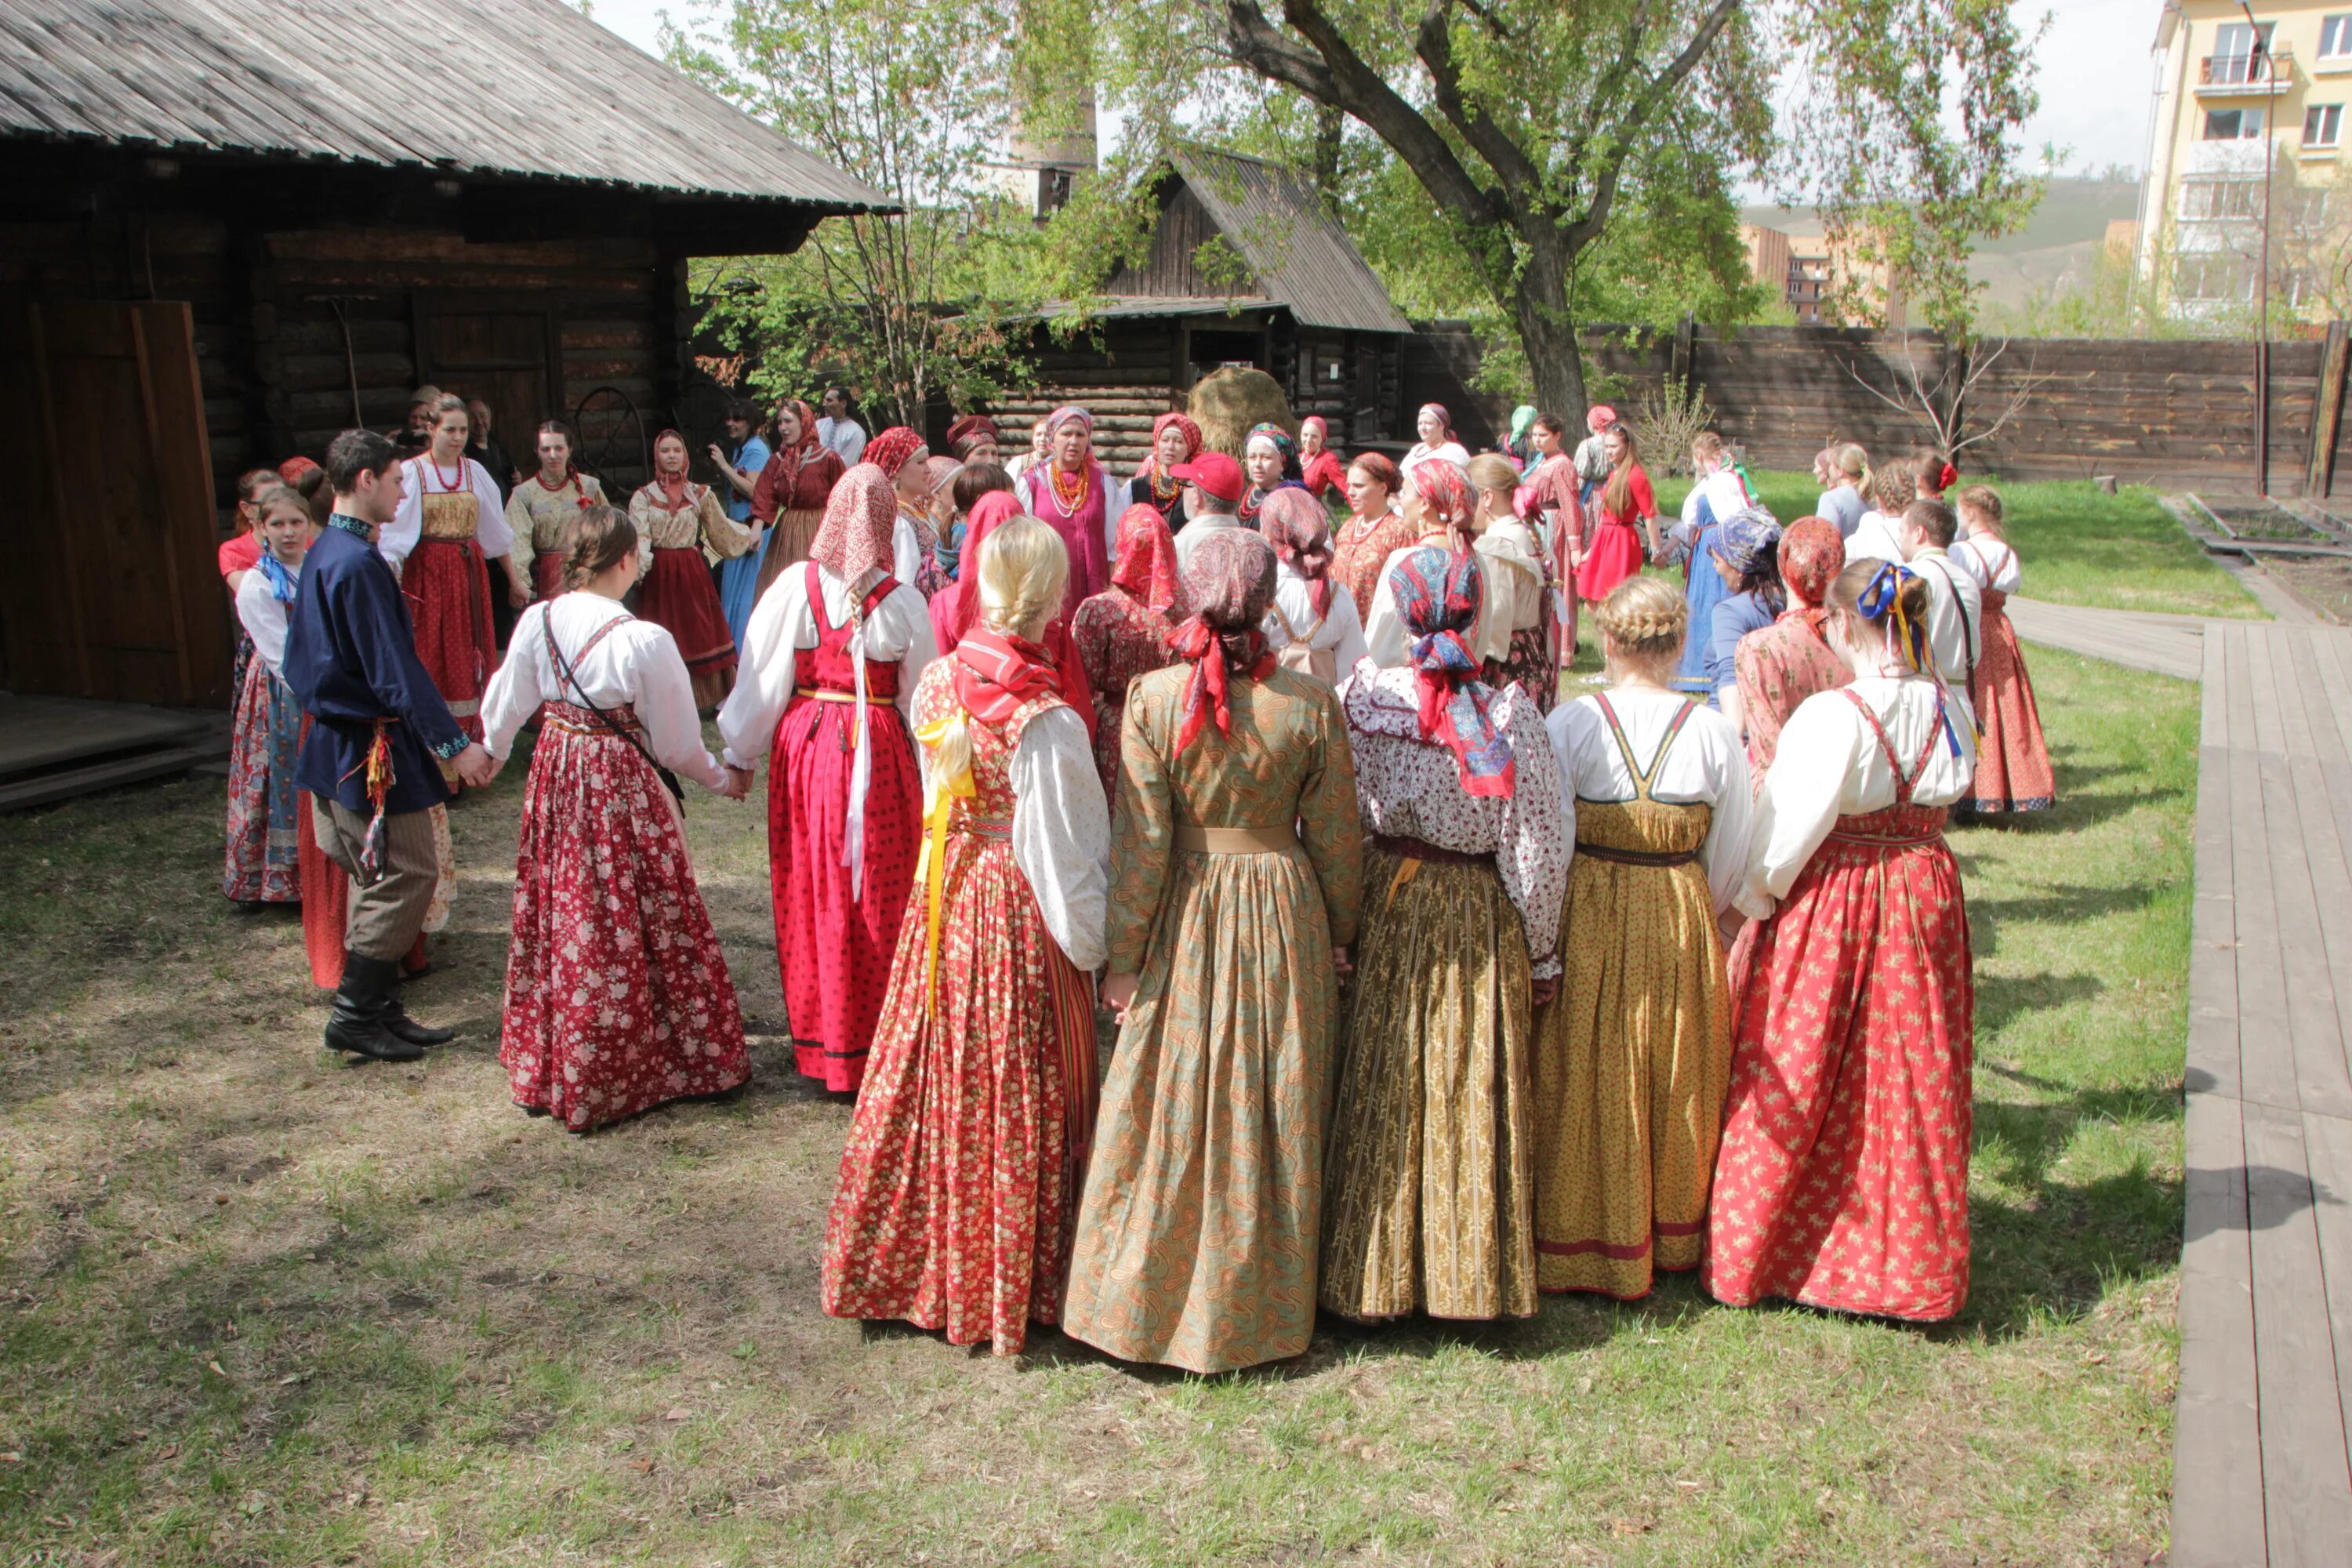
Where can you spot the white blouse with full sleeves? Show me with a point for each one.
(1339, 630)
(1061, 833)
(1829, 764)
(1706, 764)
(1991, 561)
(264, 618)
(636, 663)
(1510, 568)
(782, 626)
(420, 476)
(1955, 616)
(1412, 788)
(1875, 538)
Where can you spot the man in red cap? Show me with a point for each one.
(1212, 498)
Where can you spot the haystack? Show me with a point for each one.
(1227, 401)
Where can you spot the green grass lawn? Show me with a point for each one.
(2120, 551)
(259, 1307)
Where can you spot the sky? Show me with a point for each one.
(2094, 85)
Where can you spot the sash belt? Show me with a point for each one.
(1236, 840)
(1636, 857)
(1405, 849)
(873, 698)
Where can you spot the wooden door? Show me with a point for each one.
(111, 591)
(507, 352)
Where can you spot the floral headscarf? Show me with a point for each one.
(1446, 488)
(1437, 597)
(1146, 569)
(1742, 539)
(1285, 445)
(674, 486)
(1295, 523)
(1600, 417)
(1812, 553)
(1184, 422)
(292, 469)
(894, 448)
(1065, 415)
(854, 537)
(1230, 583)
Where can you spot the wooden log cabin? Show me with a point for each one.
(1246, 267)
(233, 230)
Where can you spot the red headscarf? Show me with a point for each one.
(1231, 582)
(1448, 493)
(970, 430)
(997, 674)
(810, 450)
(1146, 560)
(1298, 528)
(292, 469)
(673, 487)
(1812, 555)
(891, 450)
(1184, 422)
(854, 537)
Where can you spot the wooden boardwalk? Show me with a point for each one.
(2262, 1472)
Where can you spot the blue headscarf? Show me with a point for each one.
(273, 571)
(1437, 597)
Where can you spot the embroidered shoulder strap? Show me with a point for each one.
(1887, 747)
(881, 591)
(816, 602)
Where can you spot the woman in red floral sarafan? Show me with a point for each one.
(828, 683)
(959, 1181)
(1131, 627)
(1843, 1181)
(617, 997)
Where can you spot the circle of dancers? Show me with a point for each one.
(1433, 991)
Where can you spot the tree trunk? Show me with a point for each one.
(1549, 338)
(1330, 119)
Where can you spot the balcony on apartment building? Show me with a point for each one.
(2246, 75)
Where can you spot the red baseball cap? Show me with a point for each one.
(1213, 472)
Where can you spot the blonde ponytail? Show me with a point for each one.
(1024, 570)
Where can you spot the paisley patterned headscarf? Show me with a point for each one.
(1184, 422)
(854, 537)
(1230, 583)
(1145, 571)
(1744, 537)
(1437, 597)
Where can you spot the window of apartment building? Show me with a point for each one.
(2313, 210)
(2336, 36)
(2233, 124)
(2212, 278)
(2240, 54)
(2322, 123)
(2220, 198)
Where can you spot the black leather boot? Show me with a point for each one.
(357, 1023)
(401, 1026)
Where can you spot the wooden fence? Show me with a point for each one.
(2172, 413)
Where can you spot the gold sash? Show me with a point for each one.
(451, 516)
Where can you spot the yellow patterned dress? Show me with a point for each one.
(1429, 1191)
(1633, 1058)
(1196, 1238)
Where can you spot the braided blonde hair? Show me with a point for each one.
(1645, 619)
(1024, 569)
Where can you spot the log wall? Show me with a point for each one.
(2171, 413)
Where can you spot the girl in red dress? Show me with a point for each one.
(681, 521)
(2013, 758)
(791, 492)
(956, 609)
(961, 1176)
(1319, 468)
(828, 684)
(1616, 552)
(617, 998)
(451, 522)
(1130, 629)
(1843, 1181)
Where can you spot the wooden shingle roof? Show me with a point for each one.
(1293, 244)
(516, 89)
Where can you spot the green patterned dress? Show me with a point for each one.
(1196, 1236)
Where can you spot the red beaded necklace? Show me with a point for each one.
(446, 482)
(1069, 494)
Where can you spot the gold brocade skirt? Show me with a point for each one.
(1429, 1180)
(790, 535)
(1631, 1060)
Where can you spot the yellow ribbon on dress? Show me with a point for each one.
(932, 868)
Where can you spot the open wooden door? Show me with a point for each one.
(111, 591)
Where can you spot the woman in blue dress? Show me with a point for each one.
(740, 463)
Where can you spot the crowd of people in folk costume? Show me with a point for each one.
(1434, 990)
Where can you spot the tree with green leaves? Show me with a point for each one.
(1532, 135)
(913, 99)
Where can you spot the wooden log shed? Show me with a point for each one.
(231, 231)
(1246, 267)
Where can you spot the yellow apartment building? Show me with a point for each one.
(2246, 136)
